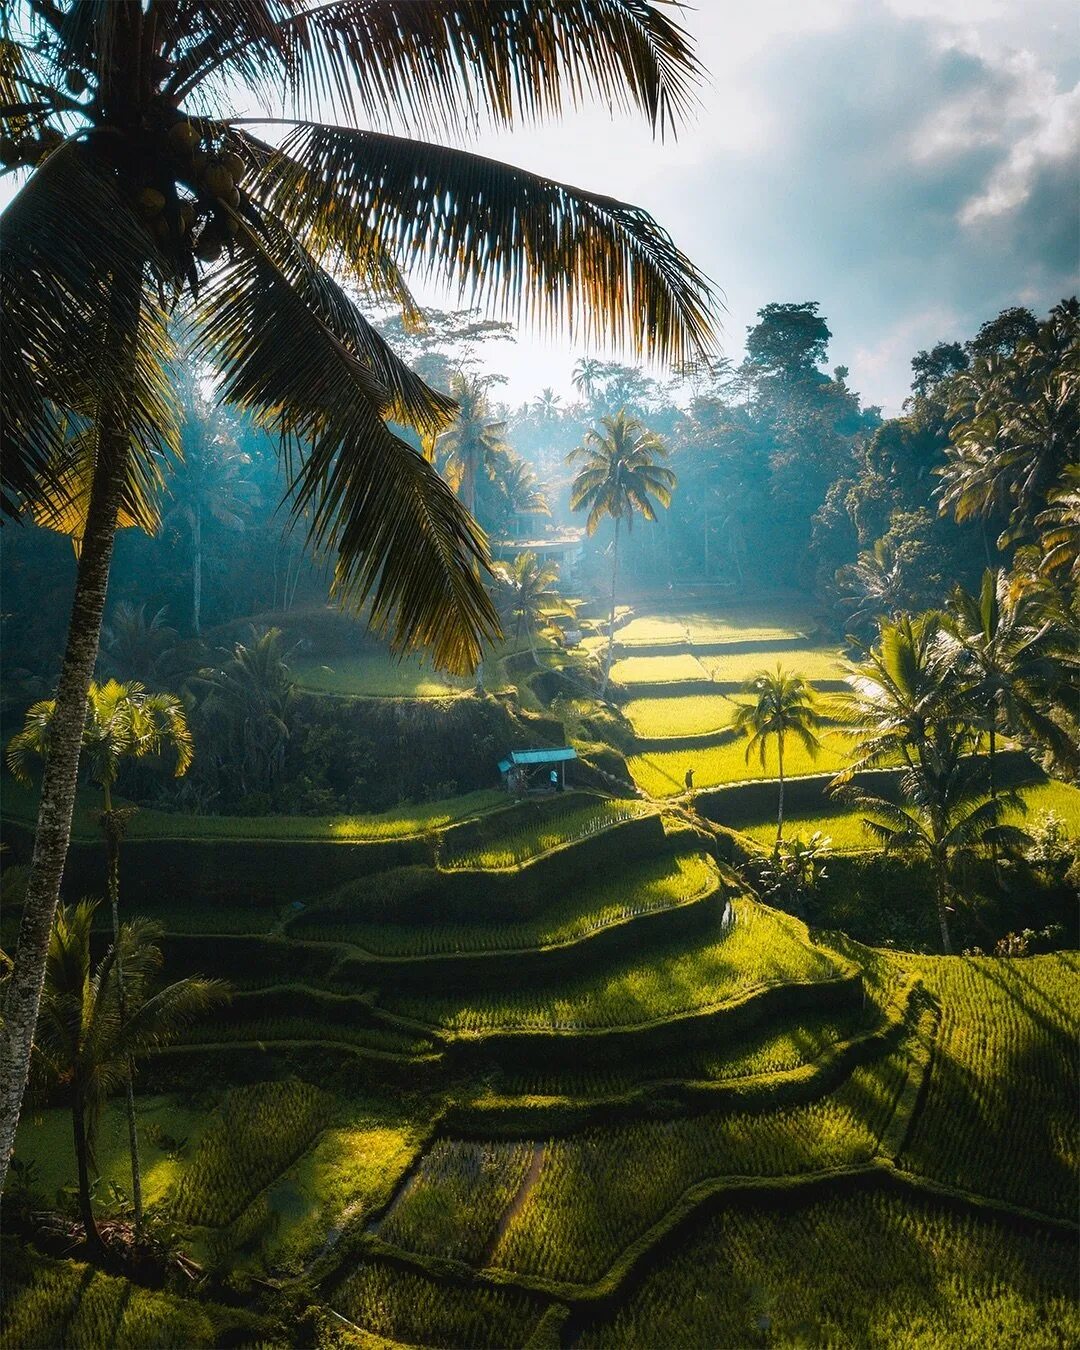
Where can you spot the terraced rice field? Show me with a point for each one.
(1005, 1068)
(674, 669)
(662, 773)
(761, 947)
(639, 888)
(886, 1271)
(712, 626)
(689, 715)
(546, 828)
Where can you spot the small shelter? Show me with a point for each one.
(519, 765)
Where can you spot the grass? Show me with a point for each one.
(409, 819)
(760, 947)
(695, 624)
(869, 1270)
(662, 773)
(640, 888)
(44, 1142)
(379, 674)
(1000, 1114)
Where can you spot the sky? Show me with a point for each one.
(912, 165)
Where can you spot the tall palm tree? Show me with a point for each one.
(782, 705)
(139, 188)
(474, 443)
(123, 722)
(527, 598)
(91, 1027)
(211, 481)
(618, 478)
(946, 808)
(1006, 662)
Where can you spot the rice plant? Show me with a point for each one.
(453, 1203)
(662, 773)
(685, 715)
(1000, 1114)
(407, 1307)
(674, 669)
(258, 1132)
(636, 889)
(578, 820)
(873, 1270)
(760, 947)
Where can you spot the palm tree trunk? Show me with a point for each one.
(196, 569)
(86, 1209)
(611, 619)
(113, 828)
(53, 832)
(993, 749)
(941, 890)
(780, 809)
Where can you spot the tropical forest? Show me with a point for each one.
(540, 710)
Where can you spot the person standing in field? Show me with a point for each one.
(689, 780)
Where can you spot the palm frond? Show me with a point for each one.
(398, 533)
(540, 250)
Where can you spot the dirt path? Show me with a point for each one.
(513, 1208)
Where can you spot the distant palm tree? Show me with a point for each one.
(546, 405)
(782, 706)
(588, 372)
(474, 443)
(618, 478)
(873, 586)
(946, 809)
(211, 481)
(247, 706)
(137, 647)
(123, 722)
(1007, 664)
(527, 597)
(92, 1026)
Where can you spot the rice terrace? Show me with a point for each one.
(537, 810)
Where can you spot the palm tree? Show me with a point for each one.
(618, 478)
(898, 694)
(475, 442)
(137, 647)
(211, 481)
(782, 706)
(123, 722)
(139, 189)
(873, 586)
(527, 597)
(92, 1026)
(946, 809)
(247, 711)
(1006, 663)
(587, 374)
(1059, 526)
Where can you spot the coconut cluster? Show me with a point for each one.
(29, 149)
(189, 197)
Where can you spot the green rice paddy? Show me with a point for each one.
(662, 773)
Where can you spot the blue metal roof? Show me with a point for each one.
(543, 756)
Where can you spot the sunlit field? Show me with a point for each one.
(713, 625)
(662, 773)
(378, 674)
(688, 715)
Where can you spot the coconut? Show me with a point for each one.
(160, 227)
(209, 247)
(29, 150)
(235, 165)
(151, 202)
(75, 81)
(183, 135)
(187, 215)
(9, 151)
(218, 180)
